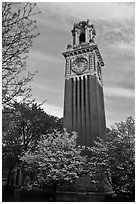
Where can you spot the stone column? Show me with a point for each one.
(86, 34)
(76, 37)
(89, 34)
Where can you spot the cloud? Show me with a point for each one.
(42, 87)
(44, 57)
(114, 24)
(119, 92)
(114, 34)
(98, 10)
(53, 110)
(117, 109)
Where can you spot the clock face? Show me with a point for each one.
(79, 65)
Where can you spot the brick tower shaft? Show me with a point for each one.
(83, 97)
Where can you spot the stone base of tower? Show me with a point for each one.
(82, 196)
(85, 191)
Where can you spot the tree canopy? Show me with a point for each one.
(56, 159)
(116, 158)
(23, 126)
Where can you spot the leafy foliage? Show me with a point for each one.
(57, 159)
(116, 158)
(23, 126)
(18, 33)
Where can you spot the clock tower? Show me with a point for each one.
(83, 97)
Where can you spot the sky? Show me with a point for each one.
(115, 36)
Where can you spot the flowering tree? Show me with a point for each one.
(115, 157)
(57, 159)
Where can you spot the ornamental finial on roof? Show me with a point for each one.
(83, 33)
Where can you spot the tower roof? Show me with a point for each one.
(83, 40)
(82, 24)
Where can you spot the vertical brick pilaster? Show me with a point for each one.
(74, 105)
(101, 111)
(67, 122)
(83, 133)
(78, 111)
(87, 118)
(94, 115)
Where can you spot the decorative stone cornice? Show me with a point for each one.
(99, 81)
(84, 49)
(69, 76)
(74, 77)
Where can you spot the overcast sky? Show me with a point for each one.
(114, 24)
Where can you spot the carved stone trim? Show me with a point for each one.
(86, 49)
(92, 72)
(67, 66)
(99, 81)
(98, 55)
(91, 61)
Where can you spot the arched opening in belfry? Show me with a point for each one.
(82, 37)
